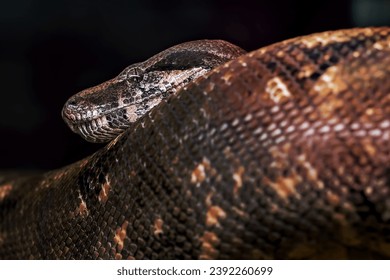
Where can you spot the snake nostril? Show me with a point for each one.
(69, 110)
(72, 103)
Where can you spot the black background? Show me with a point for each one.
(49, 50)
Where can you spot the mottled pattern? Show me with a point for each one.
(282, 153)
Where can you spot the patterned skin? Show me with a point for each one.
(281, 153)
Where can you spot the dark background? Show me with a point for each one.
(49, 50)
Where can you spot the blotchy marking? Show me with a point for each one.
(82, 210)
(311, 171)
(209, 241)
(4, 191)
(198, 175)
(213, 215)
(237, 177)
(333, 198)
(327, 89)
(285, 186)
(208, 199)
(307, 70)
(227, 77)
(369, 148)
(277, 90)
(158, 226)
(120, 235)
(103, 195)
(280, 155)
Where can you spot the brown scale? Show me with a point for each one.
(282, 153)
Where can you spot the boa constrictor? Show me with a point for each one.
(280, 153)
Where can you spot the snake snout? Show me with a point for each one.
(77, 110)
(69, 111)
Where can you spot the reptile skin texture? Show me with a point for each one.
(282, 153)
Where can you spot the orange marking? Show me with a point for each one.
(158, 226)
(82, 210)
(103, 195)
(209, 241)
(333, 198)
(214, 214)
(285, 186)
(120, 235)
(5, 190)
(237, 177)
(277, 90)
(198, 175)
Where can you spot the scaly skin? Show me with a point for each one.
(282, 153)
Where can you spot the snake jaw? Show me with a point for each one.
(96, 130)
(93, 125)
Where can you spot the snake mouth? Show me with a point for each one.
(97, 130)
(96, 127)
(101, 124)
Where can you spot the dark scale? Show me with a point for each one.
(314, 54)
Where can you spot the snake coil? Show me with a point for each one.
(279, 153)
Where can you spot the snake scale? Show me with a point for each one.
(280, 153)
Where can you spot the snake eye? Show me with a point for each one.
(132, 73)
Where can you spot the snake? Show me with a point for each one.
(215, 153)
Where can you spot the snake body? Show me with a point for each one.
(279, 153)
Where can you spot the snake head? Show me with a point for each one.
(102, 112)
